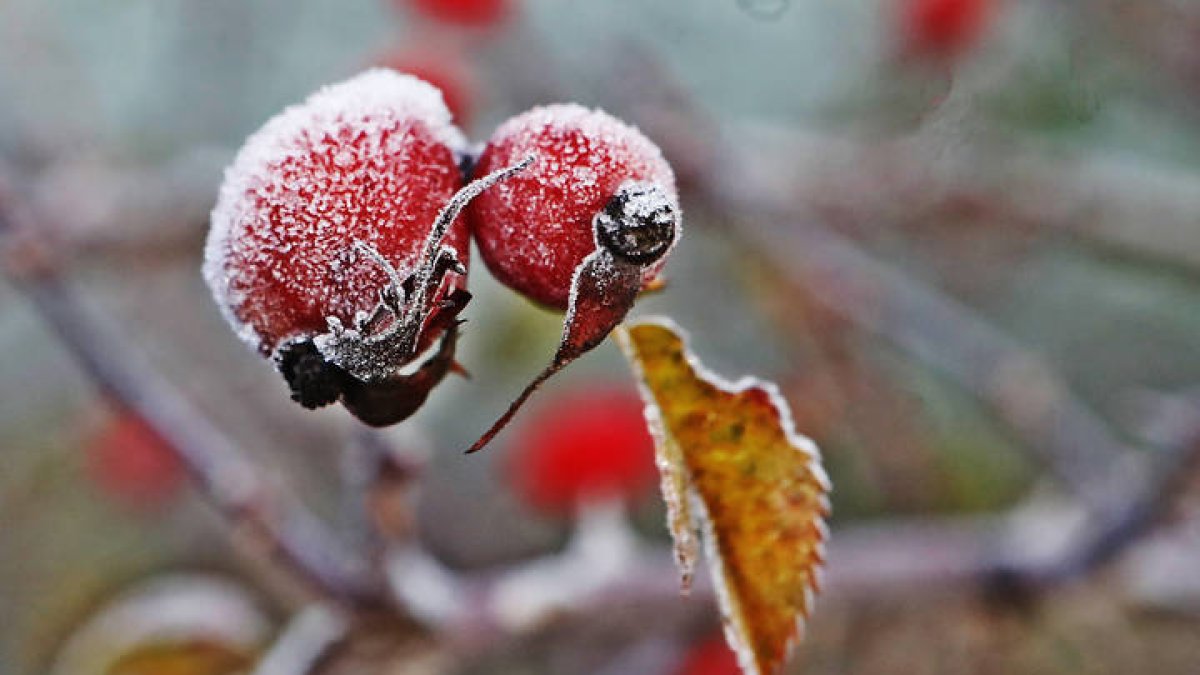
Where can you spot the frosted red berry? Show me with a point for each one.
(371, 159)
(535, 230)
(474, 13)
(336, 245)
(585, 229)
(589, 444)
(943, 28)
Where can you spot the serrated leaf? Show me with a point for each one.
(733, 467)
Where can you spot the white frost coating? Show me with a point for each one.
(599, 127)
(369, 102)
(595, 124)
(735, 624)
(579, 168)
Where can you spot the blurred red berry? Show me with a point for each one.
(588, 444)
(943, 28)
(474, 13)
(131, 464)
(371, 159)
(536, 229)
(710, 657)
(450, 73)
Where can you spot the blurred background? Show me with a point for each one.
(962, 235)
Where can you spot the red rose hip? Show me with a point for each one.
(585, 229)
(335, 244)
(589, 170)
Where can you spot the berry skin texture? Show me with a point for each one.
(586, 445)
(943, 29)
(369, 160)
(534, 230)
(584, 229)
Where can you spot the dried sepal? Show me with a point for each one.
(406, 308)
(375, 367)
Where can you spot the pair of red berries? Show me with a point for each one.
(339, 243)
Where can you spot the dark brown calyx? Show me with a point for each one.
(314, 382)
(639, 224)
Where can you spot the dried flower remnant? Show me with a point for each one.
(733, 467)
(336, 246)
(587, 228)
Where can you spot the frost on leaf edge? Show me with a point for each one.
(692, 511)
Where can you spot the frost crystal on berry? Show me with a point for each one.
(535, 230)
(337, 248)
(585, 229)
(372, 159)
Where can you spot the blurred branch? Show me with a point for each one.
(769, 213)
(1123, 490)
(1124, 494)
(1061, 432)
(1143, 211)
(304, 641)
(1168, 476)
(294, 538)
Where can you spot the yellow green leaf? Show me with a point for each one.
(733, 467)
